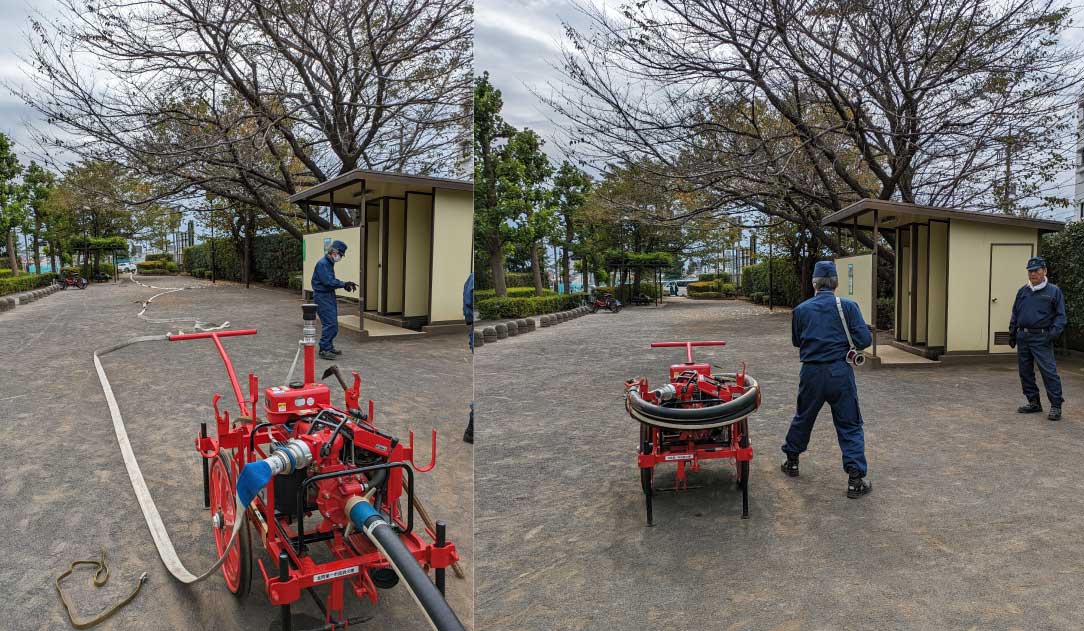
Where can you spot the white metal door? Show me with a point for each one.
(1008, 263)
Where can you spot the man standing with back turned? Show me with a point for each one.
(817, 329)
(1038, 318)
(324, 285)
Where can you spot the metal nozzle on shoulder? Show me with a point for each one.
(308, 311)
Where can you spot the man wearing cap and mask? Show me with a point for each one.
(1038, 318)
(324, 285)
(817, 329)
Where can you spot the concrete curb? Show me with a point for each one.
(10, 302)
(522, 326)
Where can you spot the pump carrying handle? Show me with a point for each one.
(214, 336)
(688, 346)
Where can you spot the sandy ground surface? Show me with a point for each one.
(974, 521)
(65, 491)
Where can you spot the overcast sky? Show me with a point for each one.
(519, 44)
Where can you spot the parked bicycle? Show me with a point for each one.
(75, 280)
(605, 301)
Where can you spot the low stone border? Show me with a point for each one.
(522, 326)
(10, 302)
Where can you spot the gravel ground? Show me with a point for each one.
(65, 489)
(973, 522)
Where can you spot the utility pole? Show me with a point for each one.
(1008, 185)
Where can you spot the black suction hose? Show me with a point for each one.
(706, 417)
(386, 539)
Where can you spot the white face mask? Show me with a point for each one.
(336, 257)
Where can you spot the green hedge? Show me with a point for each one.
(717, 289)
(274, 258)
(723, 276)
(785, 289)
(513, 292)
(5, 273)
(159, 257)
(1064, 253)
(499, 308)
(157, 268)
(24, 282)
(294, 281)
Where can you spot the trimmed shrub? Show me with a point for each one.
(5, 273)
(294, 281)
(785, 290)
(159, 257)
(24, 282)
(501, 308)
(1064, 253)
(274, 258)
(513, 292)
(723, 276)
(706, 295)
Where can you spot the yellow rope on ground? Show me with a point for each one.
(101, 577)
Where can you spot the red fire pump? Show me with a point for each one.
(696, 416)
(312, 473)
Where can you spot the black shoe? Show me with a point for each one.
(468, 436)
(790, 467)
(334, 351)
(1055, 414)
(1031, 408)
(328, 355)
(857, 486)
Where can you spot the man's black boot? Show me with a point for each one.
(1055, 413)
(328, 355)
(1032, 407)
(857, 485)
(334, 351)
(790, 467)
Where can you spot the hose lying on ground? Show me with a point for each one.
(707, 417)
(139, 485)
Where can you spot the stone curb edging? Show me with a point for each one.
(10, 302)
(523, 326)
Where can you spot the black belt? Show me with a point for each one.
(1027, 330)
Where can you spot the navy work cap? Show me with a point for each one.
(1035, 263)
(824, 269)
(339, 245)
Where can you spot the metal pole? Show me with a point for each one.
(212, 250)
(771, 300)
(441, 536)
(873, 295)
(284, 576)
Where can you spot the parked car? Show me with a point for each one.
(683, 286)
(126, 267)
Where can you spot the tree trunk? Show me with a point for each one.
(13, 260)
(52, 257)
(496, 267)
(569, 235)
(536, 269)
(37, 245)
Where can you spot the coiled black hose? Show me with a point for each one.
(707, 417)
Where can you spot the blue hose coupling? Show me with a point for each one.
(286, 458)
(361, 512)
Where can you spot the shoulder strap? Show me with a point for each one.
(843, 319)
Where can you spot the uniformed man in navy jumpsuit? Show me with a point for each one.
(827, 376)
(468, 317)
(1038, 318)
(324, 285)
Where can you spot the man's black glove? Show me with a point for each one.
(349, 286)
(1012, 340)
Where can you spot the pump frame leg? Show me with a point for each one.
(284, 575)
(441, 541)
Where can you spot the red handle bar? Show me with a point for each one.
(207, 334)
(688, 346)
(214, 335)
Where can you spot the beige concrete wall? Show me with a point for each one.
(372, 265)
(969, 281)
(938, 291)
(419, 218)
(453, 229)
(903, 290)
(922, 286)
(396, 234)
(856, 282)
(348, 269)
